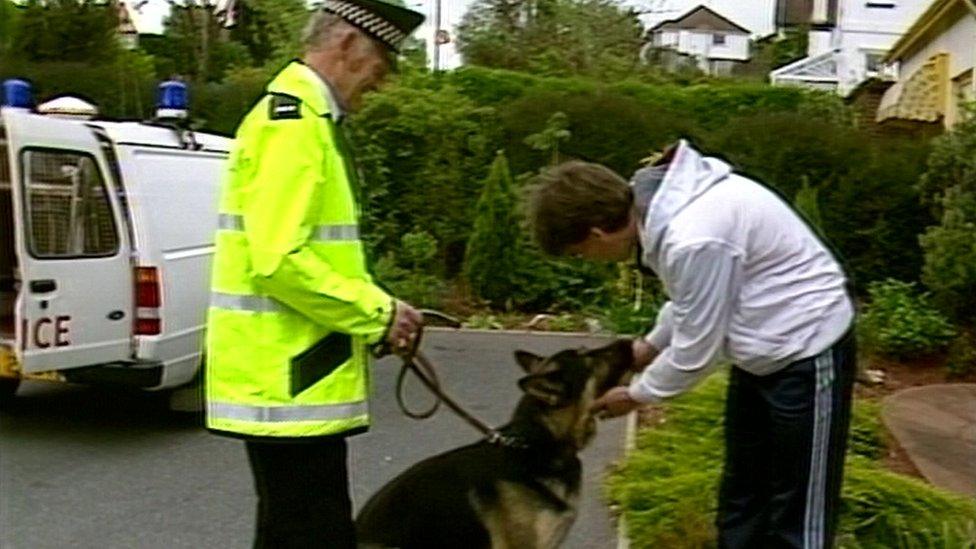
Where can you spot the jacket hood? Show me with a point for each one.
(688, 176)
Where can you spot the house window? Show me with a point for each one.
(718, 39)
(881, 5)
(872, 63)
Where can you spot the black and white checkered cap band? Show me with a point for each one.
(366, 20)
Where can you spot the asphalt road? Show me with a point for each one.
(95, 468)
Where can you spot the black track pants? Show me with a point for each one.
(785, 437)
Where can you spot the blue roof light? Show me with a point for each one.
(172, 95)
(17, 93)
(171, 100)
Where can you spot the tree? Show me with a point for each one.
(552, 37)
(9, 20)
(195, 45)
(65, 30)
(491, 259)
(270, 29)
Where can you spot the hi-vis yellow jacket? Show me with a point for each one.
(293, 308)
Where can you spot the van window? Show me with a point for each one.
(69, 213)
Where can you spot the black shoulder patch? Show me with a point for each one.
(283, 107)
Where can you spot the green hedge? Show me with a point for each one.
(425, 143)
(667, 487)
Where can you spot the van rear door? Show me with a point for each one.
(75, 302)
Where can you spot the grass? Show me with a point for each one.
(667, 486)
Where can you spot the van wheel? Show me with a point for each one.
(188, 398)
(8, 387)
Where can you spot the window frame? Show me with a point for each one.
(29, 220)
(716, 36)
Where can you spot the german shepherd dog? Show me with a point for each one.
(517, 493)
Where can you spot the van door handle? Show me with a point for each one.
(43, 286)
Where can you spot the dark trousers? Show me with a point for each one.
(303, 494)
(785, 439)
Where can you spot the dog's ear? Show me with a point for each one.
(545, 387)
(529, 362)
(619, 352)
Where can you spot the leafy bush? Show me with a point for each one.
(424, 154)
(962, 354)
(901, 322)
(631, 303)
(950, 254)
(407, 275)
(949, 186)
(869, 205)
(667, 487)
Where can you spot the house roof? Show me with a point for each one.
(701, 18)
(916, 33)
(126, 26)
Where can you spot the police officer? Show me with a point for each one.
(293, 309)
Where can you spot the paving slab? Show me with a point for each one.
(936, 425)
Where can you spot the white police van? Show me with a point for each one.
(106, 240)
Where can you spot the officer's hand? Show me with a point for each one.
(644, 354)
(403, 331)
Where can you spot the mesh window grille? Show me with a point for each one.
(69, 210)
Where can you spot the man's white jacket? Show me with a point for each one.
(749, 281)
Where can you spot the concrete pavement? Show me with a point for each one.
(83, 467)
(936, 425)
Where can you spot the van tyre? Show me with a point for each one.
(8, 388)
(188, 399)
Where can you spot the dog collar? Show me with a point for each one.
(507, 441)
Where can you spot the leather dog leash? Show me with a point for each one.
(417, 362)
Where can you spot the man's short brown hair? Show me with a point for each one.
(574, 197)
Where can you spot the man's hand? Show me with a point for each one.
(615, 403)
(644, 354)
(403, 331)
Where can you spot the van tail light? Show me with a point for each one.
(148, 301)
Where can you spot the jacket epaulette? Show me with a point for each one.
(284, 107)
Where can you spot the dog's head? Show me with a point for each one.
(563, 386)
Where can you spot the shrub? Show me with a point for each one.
(667, 487)
(901, 322)
(962, 354)
(618, 134)
(807, 203)
(407, 275)
(631, 304)
(950, 255)
(869, 205)
(949, 186)
(423, 155)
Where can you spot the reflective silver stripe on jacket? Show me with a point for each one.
(230, 222)
(235, 222)
(336, 232)
(251, 303)
(276, 414)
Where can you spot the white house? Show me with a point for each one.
(712, 42)
(847, 41)
(935, 62)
